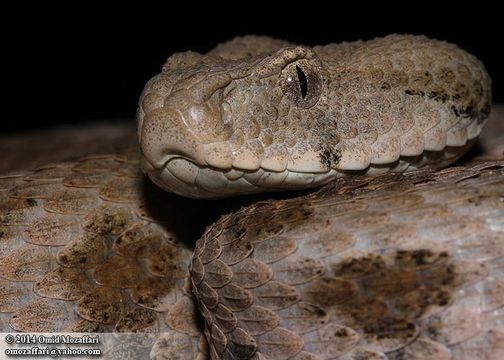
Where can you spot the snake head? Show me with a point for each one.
(243, 120)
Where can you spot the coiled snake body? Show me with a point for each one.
(401, 261)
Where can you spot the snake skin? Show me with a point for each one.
(78, 254)
(396, 266)
(82, 249)
(258, 114)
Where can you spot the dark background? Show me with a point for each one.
(68, 66)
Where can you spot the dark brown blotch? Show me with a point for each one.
(328, 291)
(416, 258)
(359, 266)
(390, 292)
(330, 157)
(391, 328)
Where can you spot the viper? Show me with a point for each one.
(396, 257)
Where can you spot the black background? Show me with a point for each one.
(85, 64)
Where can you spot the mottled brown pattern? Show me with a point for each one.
(395, 267)
(279, 284)
(73, 259)
(420, 290)
(271, 115)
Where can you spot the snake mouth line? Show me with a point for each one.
(186, 178)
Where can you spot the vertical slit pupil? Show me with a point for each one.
(303, 82)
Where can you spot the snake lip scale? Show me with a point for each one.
(398, 256)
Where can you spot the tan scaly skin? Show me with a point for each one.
(258, 114)
(394, 266)
(390, 267)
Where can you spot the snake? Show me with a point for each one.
(362, 240)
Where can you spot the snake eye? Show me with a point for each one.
(301, 82)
